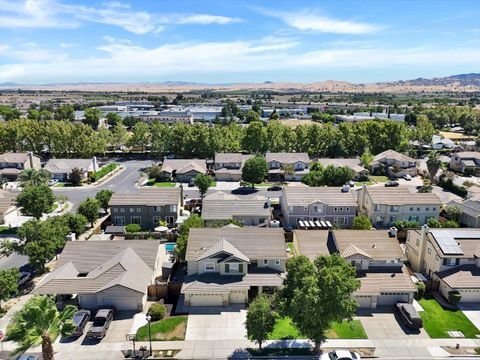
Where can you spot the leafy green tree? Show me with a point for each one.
(194, 221)
(36, 200)
(366, 158)
(434, 223)
(274, 115)
(113, 119)
(133, 228)
(40, 323)
(155, 171)
(76, 176)
(328, 176)
(9, 113)
(403, 225)
(361, 222)
(65, 112)
(92, 117)
(424, 130)
(433, 164)
(141, 136)
(130, 121)
(251, 116)
(453, 213)
(315, 295)
(159, 134)
(203, 182)
(103, 197)
(89, 208)
(255, 170)
(75, 222)
(34, 177)
(254, 140)
(119, 136)
(8, 284)
(260, 320)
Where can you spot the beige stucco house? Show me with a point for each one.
(12, 164)
(7, 204)
(466, 162)
(279, 164)
(228, 265)
(228, 166)
(395, 164)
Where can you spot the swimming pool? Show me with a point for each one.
(169, 247)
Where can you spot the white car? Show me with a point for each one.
(52, 182)
(407, 177)
(340, 355)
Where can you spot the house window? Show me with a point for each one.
(136, 220)
(156, 219)
(341, 209)
(393, 218)
(173, 208)
(418, 209)
(411, 209)
(335, 209)
(132, 210)
(429, 250)
(157, 208)
(139, 210)
(434, 209)
(277, 262)
(233, 266)
(119, 220)
(376, 207)
(265, 261)
(169, 219)
(347, 209)
(427, 209)
(290, 209)
(209, 266)
(394, 208)
(122, 210)
(115, 210)
(451, 262)
(436, 257)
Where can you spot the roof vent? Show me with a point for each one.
(374, 246)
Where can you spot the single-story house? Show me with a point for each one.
(61, 169)
(470, 208)
(183, 170)
(104, 273)
(355, 164)
(12, 164)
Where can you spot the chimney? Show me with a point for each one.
(95, 164)
(30, 159)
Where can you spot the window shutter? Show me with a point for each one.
(227, 268)
(240, 268)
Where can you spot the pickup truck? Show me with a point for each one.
(101, 323)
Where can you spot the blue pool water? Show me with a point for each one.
(170, 246)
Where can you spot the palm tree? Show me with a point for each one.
(433, 164)
(34, 177)
(39, 322)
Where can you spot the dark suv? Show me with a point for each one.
(101, 323)
(409, 315)
(80, 319)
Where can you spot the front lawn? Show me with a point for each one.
(284, 329)
(169, 329)
(7, 230)
(291, 247)
(437, 321)
(367, 182)
(379, 179)
(154, 182)
(103, 171)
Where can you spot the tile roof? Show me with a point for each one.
(65, 166)
(469, 155)
(463, 242)
(215, 208)
(148, 197)
(401, 196)
(374, 283)
(255, 243)
(461, 277)
(352, 250)
(7, 200)
(332, 196)
(287, 158)
(181, 166)
(13, 157)
(392, 154)
(225, 158)
(311, 243)
(469, 207)
(223, 246)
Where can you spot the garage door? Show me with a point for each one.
(364, 301)
(206, 300)
(470, 295)
(237, 297)
(391, 299)
(121, 303)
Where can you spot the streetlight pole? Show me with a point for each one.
(149, 319)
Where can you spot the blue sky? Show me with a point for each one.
(51, 41)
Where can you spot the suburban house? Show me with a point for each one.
(385, 205)
(183, 170)
(317, 204)
(287, 166)
(377, 256)
(7, 204)
(450, 257)
(104, 273)
(470, 208)
(12, 164)
(395, 164)
(467, 162)
(61, 169)
(220, 206)
(230, 265)
(439, 143)
(147, 207)
(360, 173)
(228, 166)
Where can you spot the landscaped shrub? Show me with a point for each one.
(103, 171)
(454, 296)
(157, 312)
(449, 185)
(133, 228)
(420, 290)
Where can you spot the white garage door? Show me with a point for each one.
(392, 299)
(206, 300)
(121, 303)
(364, 301)
(237, 297)
(470, 295)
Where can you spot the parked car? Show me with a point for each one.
(351, 183)
(101, 323)
(24, 278)
(80, 319)
(391, 183)
(340, 355)
(274, 188)
(52, 182)
(346, 188)
(409, 315)
(191, 183)
(407, 177)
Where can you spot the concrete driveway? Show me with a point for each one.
(217, 325)
(472, 312)
(383, 323)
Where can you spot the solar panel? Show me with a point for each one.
(447, 239)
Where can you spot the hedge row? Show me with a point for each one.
(103, 171)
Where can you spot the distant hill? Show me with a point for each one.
(455, 83)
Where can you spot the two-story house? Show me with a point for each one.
(467, 162)
(147, 207)
(317, 204)
(287, 166)
(12, 164)
(395, 164)
(377, 256)
(385, 205)
(228, 166)
(183, 170)
(251, 211)
(230, 265)
(450, 257)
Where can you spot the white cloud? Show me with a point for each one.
(56, 14)
(30, 52)
(307, 20)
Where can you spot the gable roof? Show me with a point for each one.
(469, 207)
(148, 197)
(223, 246)
(400, 196)
(332, 196)
(254, 243)
(7, 200)
(352, 250)
(128, 266)
(232, 157)
(392, 154)
(469, 155)
(287, 158)
(455, 242)
(217, 208)
(10, 157)
(374, 283)
(181, 166)
(67, 165)
(461, 277)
